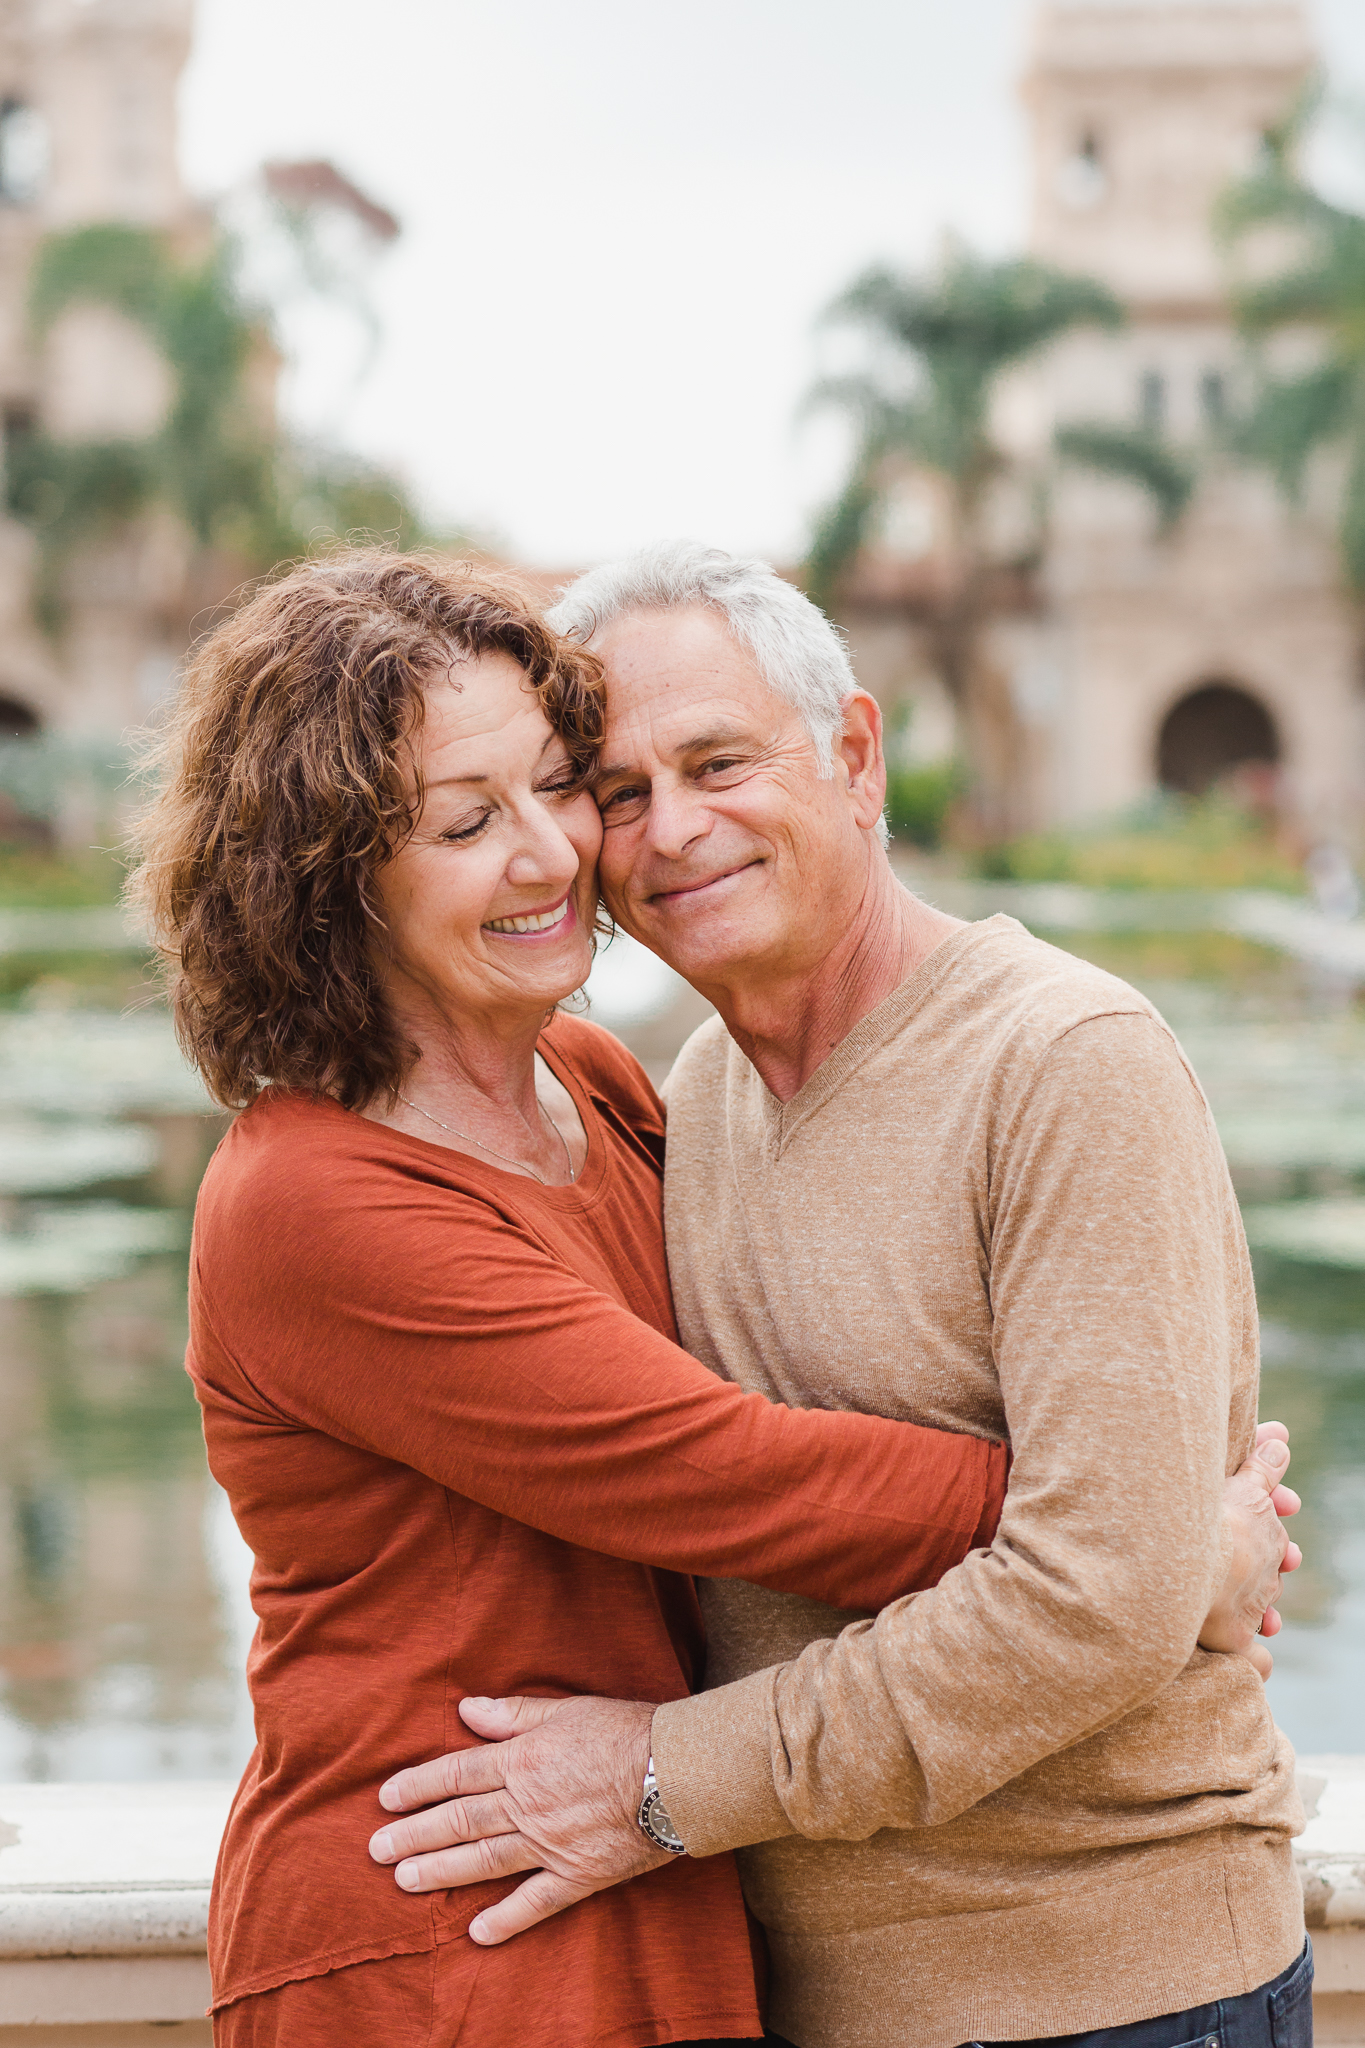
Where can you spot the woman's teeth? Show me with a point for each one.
(541, 923)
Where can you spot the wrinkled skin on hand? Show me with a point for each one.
(557, 1786)
(556, 1792)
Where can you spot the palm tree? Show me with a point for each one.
(938, 345)
(1321, 286)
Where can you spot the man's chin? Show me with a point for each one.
(701, 950)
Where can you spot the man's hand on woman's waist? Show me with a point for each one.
(555, 1788)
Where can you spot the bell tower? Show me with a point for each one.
(105, 77)
(87, 135)
(1224, 646)
(1142, 113)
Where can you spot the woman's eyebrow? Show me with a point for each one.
(455, 781)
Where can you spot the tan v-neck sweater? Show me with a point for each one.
(1023, 1803)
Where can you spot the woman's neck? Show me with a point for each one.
(474, 1082)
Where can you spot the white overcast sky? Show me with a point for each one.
(620, 220)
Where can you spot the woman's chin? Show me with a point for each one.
(553, 978)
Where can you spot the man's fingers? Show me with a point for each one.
(498, 1720)
(446, 1777)
(1260, 1659)
(441, 1827)
(1285, 1501)
(1292, 1559)
(470, 1863)
(540, 1898)
(1266, 1430)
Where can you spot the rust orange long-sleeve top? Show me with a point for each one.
(449, 1409)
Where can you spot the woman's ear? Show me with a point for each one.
(859, 749)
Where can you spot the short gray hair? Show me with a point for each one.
(800, 655)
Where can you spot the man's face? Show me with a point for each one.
(723, 848)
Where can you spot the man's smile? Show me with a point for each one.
(708, 882)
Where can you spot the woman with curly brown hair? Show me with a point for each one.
(430, 1323)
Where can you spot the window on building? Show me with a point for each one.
(1152, 401)
(1213, 397)
(23, 153)
(1083, 179)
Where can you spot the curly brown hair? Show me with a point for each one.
(284, 787)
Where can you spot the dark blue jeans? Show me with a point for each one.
(1277, 2015)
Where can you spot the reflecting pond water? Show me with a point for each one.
(123, 1613)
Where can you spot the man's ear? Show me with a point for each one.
(859, 749)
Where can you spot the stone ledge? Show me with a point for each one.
(161, 1922)
(104, 1894)
(95, 1990)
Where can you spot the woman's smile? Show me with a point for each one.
(535, 924)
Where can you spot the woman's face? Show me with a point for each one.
(490, 899)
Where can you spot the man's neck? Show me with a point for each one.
(788, 1024)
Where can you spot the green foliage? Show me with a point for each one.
(940, 341)
(838, 535)
(211, 462)
(68, 490)
(331, 495)
(43, 774)
(1145, 958)
(1173, 842)
(33, 879)
(215, 463)
(111, 264)
(1320, 284)
(919, 798)
(1134, 455)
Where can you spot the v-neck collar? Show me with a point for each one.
(780, 1119)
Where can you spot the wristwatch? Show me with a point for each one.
(653, 1820)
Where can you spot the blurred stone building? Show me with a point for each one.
(1130, 659)
(87, 134)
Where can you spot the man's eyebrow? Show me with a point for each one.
(718, 736)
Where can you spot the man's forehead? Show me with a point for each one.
(683, 675)
(694, 715)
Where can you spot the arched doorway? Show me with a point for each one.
(1211, 731)
(17, 720)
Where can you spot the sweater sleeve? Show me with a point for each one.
(1121, 1298)
(432, 1330)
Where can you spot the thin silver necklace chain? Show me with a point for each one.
(503, 1156)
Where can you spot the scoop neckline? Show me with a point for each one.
(573, 1194)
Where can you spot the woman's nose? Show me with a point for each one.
(545, 852)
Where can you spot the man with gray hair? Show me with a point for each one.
(939, 1171)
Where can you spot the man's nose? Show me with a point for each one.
(677, 818)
